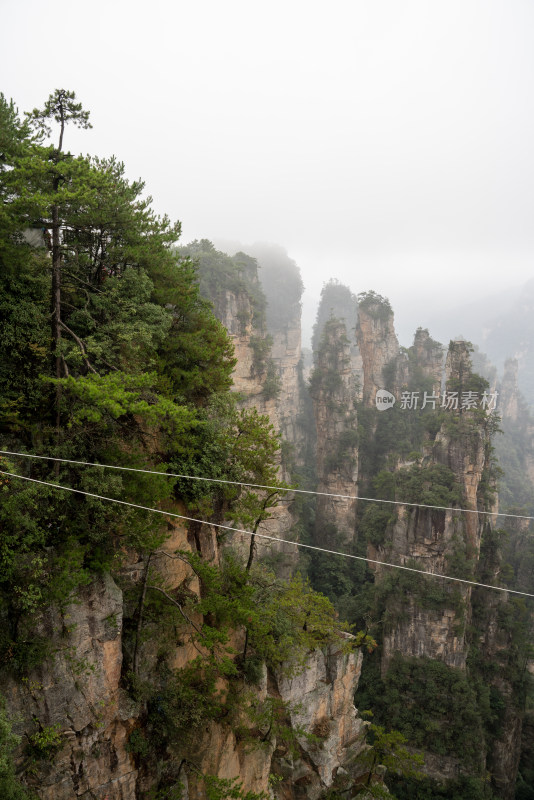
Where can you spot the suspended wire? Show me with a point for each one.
(265, 536)
(272, 488)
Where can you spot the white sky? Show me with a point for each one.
(388, 143)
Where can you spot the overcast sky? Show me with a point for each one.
(388, 143)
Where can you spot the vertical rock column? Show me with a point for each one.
(440, 541)
(377, 343)
(333, 390)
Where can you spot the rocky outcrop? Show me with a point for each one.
(421, 618)
(86, 719)
(320, 702)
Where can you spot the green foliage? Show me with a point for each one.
(45, 742)
(339, 302)
(138, 744)
(185, 701)
(272, 383)
(231, 445)
(134, 373)
(525, 778)
(387, 749)
(326, 380)
(118, 395)
(386, 437)
(229, 789)
(375, 305)
(294, 620)
(269, 720)
(434, 484)
(464, 788)
(24, 340)
(261, 348)
(399, 589)
(60, 107)
(284, 619)
(376, 522)
(343, 454)
(434, 706)
(197, 357)
(120, 327)
(429, 344)
(330, 356)
(10, 787)
(336, 577)
(219, 273)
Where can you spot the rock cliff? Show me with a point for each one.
(427, 621)
(437, 539)
(266, 373)
(87, 722)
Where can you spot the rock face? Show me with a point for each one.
(320, 699)
(77, 695)
(422, 620)
(506, 748)
(428, 355)
(252, 350)
(509, 391)
(266, 374)
(425, 619)
(266, 378)
(334, 394)
(377, 343)
(515, 450)
(435, 539)
(517, 422)
(415, 629)
(79, 691)
(286, 353)
(430, 619)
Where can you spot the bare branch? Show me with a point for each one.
(178, 606)
(76, 278)
(140, 615)
(80, 345)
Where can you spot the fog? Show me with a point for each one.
(388, 145)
